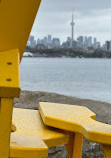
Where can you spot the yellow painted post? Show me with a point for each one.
(77, 148)
(9, 74)
(74, 146)
(9, 88)
(107, 150)
(70, 144)
(5, 126)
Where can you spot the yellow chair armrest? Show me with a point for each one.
(75, 119)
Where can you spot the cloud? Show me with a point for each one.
(79, 5)
(91, 18)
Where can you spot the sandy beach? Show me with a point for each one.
(30, 100)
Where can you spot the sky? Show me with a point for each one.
(92, 18)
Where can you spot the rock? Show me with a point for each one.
(92, 150)
(58, 152)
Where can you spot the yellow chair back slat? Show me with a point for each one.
(16, 20)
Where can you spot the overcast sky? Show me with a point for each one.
(92, 18)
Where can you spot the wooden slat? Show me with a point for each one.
(27, 147)
(107, 150)
(5, 126)
(77, 148)
(70, 144)
(9, 74)
(75, 119)
(74, 146)
(16, 20)
(30, 127)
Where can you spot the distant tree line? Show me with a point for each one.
(60, 52)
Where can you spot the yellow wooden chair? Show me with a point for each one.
(28, 136)
(78, 122)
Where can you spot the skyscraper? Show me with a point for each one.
(32, 41)
(49, 39)
(89, 41)
(80, 40)
(95, 42)
(72, 28)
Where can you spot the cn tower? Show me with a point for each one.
(72, 28)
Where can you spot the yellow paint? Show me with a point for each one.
(16, 20)
(9, 74)
(77, 148)
(75, 119)
(30, 137)
(27, 147)
(30, 127)
(107, 151)
(13, 127)
(5, 126)
(74, 146)
(70, 145)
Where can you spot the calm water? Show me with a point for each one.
(83, 78)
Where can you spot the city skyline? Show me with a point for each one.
(86, 40)
(92, 19)
(81, 42)
(71, 38)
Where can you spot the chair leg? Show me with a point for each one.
(74, 147)
(6, 107)
(70, 144)
(107, 150)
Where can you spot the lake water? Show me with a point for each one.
(82, 78)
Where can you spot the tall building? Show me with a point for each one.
(69, 39)
(107, 46)
(45, 41)
(72, 28)
(89, 41)
(95, 40)
(110, 46)
(32, 41)
(98, 45)
(95, 43)
(38, 41)
(86, 41)
(80, 40)
(56, 42)
(49, 39)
